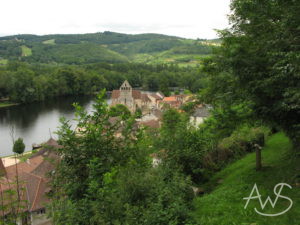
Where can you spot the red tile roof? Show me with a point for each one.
(115, 94)
(170, 99)
(33, 177)
(145, 98)
(27, 167)
(136, 94)
(36, 190)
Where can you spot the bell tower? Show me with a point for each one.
(126, 94)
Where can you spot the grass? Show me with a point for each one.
(7, 104)
(49, 42)
(168, 57)
(225, 204)
(3, 61)
(26, 155)
(26, 51)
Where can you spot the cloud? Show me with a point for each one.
(189, 18)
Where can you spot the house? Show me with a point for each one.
(155, 99)
(174, 101)
(199, 115)
(33, 183)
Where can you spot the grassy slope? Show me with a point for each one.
(3, 61)
(26, 51)
(49, 42)
(107, 47)
(225, 205)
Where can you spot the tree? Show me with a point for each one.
(120, 110)
(19, 146)
(260, 54)
(104, 178)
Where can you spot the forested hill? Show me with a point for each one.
(103, 47)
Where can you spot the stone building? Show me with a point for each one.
(133, 99)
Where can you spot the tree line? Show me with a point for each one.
(22, 82)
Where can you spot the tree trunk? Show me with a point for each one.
(258, 158)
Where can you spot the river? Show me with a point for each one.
(34, 122)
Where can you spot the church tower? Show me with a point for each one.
(126, 95)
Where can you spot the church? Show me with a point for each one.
(133, 99)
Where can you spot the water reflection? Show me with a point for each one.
(33, 121)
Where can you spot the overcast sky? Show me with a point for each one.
(184, 18)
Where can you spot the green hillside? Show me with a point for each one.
(107, 47)
(225, 204)
(74, 54)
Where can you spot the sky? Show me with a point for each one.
(183, 18)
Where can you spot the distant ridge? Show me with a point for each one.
(109, 47)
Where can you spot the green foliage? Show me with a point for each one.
(259, 59)
(22, 82)
(106, 47)
(26, 51)
(138, 113)
(189, 107)
(106, 179)
(120, 110)
(74, 54)
(183, 145)
(241, 141)
(19, 146)
(238, 179)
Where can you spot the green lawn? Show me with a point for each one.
(49, 42)
(26, 51)
(225, 204)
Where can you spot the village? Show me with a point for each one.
(29, 175)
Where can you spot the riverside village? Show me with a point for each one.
(29, 173)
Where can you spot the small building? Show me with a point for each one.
(199, 115)
(34, 183)
(174, 101)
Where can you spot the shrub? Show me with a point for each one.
(236, 145)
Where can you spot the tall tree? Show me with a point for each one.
(260, 54)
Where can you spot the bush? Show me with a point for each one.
(237, 144)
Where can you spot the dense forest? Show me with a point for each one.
(33, 68)
(22, 82)
(106, 47)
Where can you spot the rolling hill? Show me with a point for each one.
(107, 47)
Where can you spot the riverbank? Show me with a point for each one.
(7, 104)
(10, 160)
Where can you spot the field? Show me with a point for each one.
(26, 51)
(225, 204)
(3, 61)
(49, 42)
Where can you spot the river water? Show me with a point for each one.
(34, 122)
